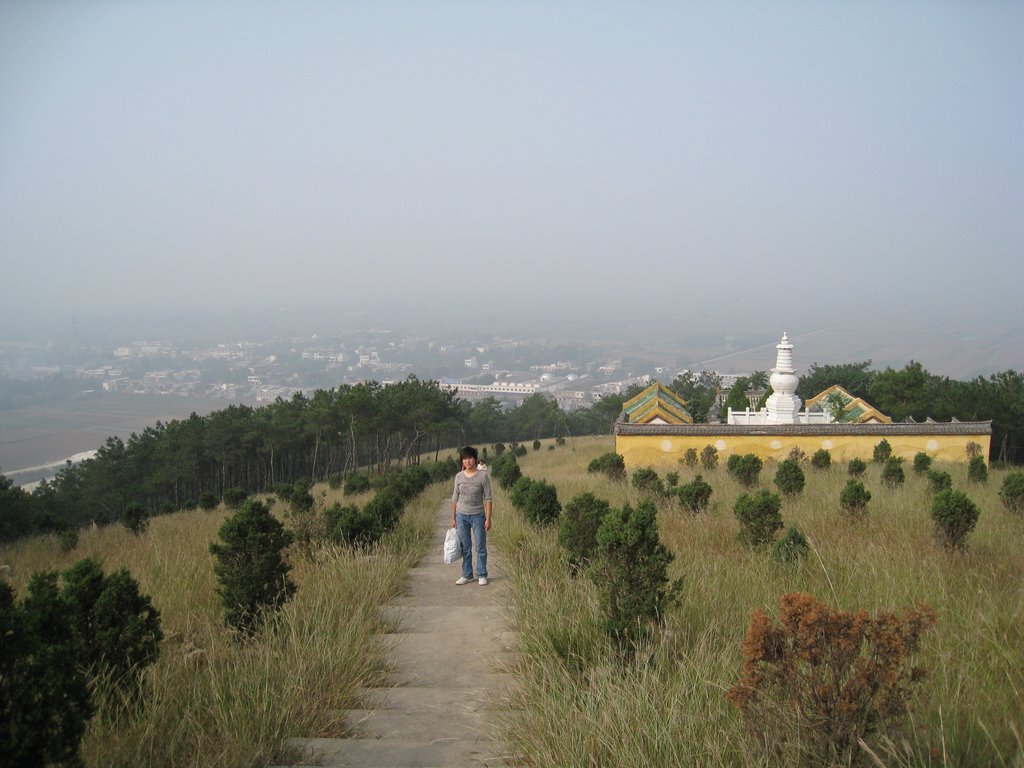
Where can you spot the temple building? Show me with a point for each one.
(655, 428)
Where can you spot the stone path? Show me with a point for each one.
(450, 684)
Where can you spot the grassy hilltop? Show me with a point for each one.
(668, 708)
(212, 702)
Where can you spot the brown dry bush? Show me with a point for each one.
(821, 680)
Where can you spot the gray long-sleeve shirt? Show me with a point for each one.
(471, 492)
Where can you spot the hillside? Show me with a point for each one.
(581, 702)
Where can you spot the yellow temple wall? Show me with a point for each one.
(667, 450)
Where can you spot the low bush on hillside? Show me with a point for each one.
(689, 458)
(1011, 492)
(233, 497)
(893, 475)
(789, 478)
(207, 501)
(745, 469)
(821, 459)
(357, 482)
(646, 480)
(117, 627)
(977, 470)
(708, 458)
(610, 464)
(250, 567)
(694, 496)
(856, 468)
(854, 498)
(939, 481)
(505, 469)
(759, 517)
(540, 503)
(577, 528)
(135, 519)
(44, 693)
(955, 516)
(881, 452)
(61, 647)
(671, 480)
(630, 570)
(922, 462)
(791, 548)
(819, 680)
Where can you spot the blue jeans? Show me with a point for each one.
(465, 524)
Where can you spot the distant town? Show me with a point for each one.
(257, 372)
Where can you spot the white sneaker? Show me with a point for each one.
(462, 580)
(483, 581)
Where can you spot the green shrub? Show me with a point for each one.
(234, 497)
(305, 524)
(821, 459)
(335, 481)
(117, 627)
(207, 501)
(856, 468)
(708, 458)
(671, 479)
(284, 491)
(67, 538)
(922, 462)
(893, 475)
(797, 454)
(541, 506)
(518, 449)
(519, 491)
(822, 680)
(44, 694)
(939, 480)
(536, 445)
(646, 480)
(499, 448)
(1011, 492)
(759, 517)
(695, 495)
(189, 504)
(791, 548)
(854, 498)
(559, 441)
(689, 457)
(630, 571)
(610, 464)
(955, 516)
(135, 519)
(505, 469)
(348, 525)
(250, 567)
(746, 469)
(789, 478)
(577, 529)
(977, 470)
(881, 452)
(357, 482)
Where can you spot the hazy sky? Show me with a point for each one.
(770, 161)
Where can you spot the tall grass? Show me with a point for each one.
(579, 706)
(211, 701)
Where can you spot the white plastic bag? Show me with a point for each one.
(452, 547)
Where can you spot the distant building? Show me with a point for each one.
(655, 430)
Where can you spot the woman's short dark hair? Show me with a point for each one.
(469, 452)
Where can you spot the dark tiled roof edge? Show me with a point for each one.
(938, 428)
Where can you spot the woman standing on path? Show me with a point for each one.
(471, 514)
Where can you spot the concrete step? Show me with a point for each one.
(416, 726)
(444, 752)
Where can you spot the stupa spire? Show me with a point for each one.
(783, 405)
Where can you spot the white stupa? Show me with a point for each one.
(783, 406)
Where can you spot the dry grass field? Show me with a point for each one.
(213, 702)
(581, 707)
